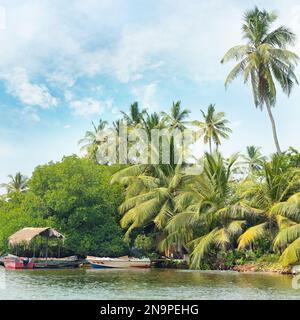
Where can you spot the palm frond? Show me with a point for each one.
(252, 234)
(291, 254)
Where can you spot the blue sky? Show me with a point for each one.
(65, 63)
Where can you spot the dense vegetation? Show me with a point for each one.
(220, 211)
(75, 197)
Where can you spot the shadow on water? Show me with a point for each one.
(144, 284)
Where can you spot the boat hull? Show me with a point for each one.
(18, 263)
(38, 263)
(117, 263)
(60, 263)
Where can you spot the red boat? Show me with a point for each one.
(14, 262)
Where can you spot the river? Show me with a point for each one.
(143, 284)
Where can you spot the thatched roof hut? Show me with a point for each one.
(25, 235)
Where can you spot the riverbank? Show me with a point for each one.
(243, 268)
(261, 267)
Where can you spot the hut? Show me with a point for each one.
(25, 237)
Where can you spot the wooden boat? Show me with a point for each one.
(24, 237)
(57, 263)
(120, 263)
(14, 262)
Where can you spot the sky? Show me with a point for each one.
(66, 63)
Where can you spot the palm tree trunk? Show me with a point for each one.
(210, 146)
(273, 128)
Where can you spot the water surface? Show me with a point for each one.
(143, 284)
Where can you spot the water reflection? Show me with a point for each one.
(144, 284)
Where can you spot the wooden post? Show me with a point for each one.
(58, 248)
(46, 250)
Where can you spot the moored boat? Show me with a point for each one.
(120, 263)
(14, 262)
(55, 263)
(24, 237)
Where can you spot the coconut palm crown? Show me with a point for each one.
(263, 60)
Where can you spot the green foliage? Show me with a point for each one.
(234, 257)
(143, 244)
(212, 212)
(13, 218)
(74, 196)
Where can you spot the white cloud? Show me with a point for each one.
(19, 85)
(145, 95)
(100, 37)
(86, 107)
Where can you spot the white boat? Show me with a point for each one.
(120, 263)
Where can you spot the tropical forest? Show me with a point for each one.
(230, 212)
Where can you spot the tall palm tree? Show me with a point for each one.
(254, 159)
(264, 60)
(17, 183)
(153, 121)
(91, 137)
(116, 125)
(90, 142)
(135, 115)
(213, 127)
(176, 118)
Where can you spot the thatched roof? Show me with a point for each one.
(25, 235)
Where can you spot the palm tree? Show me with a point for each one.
(213, 127)
(18, 183)
(135, 116)
(287, 240)
(203, 219)
(91, 138)
(153, 121)
(254, 159)
(116, 125)
(269, 201)
(149, 195)
(175, 119)
(264, 59)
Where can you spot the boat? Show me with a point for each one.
(55, 263)
(14, 262)
(119, 263)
